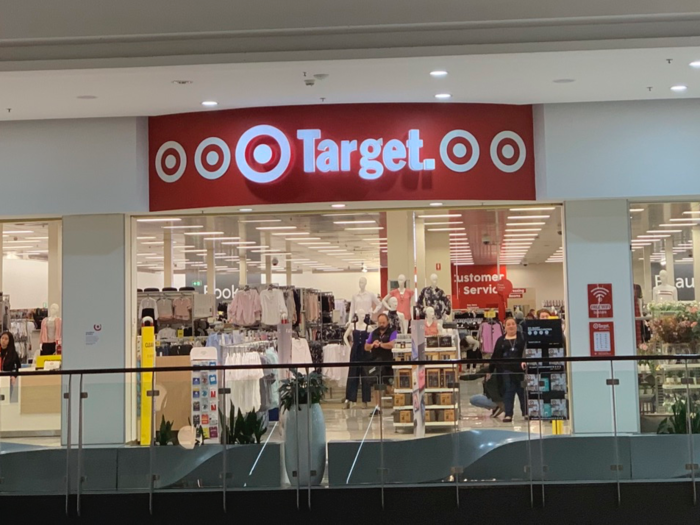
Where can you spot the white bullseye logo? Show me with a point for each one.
(263, 154)
(217, 154)
(467, 155)
(507, 151)
(172, 151)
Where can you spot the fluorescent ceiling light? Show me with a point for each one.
(523, 229)
(291, 234)
(338, 205)
(260, 221)
(442, 216)
(203, 233)
(155, 257)
(16, 232)
(636, 210)
(314, 243)
(448, 223)
(436, 204)
(527, 217)
(695, 64)
(246, 210)
(305, 239)
(679, 88)
(656, 236)
(37, 252)
(526, 223)
(165, 219)
(354, 222)
(365, 228)
(153, 243)
(664, 231)
(42, 238)
(534, 209)
(458, 235)
(445, 229)
(137, 238)
(691, 212)
(672, 225)
(210, 103)
(276, 228)
(190, 227)
(194, 251)
(440, 73)
(520, 235)
(443, 96)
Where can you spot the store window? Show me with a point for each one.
(665, 241)
(330, 275)
(30, 312)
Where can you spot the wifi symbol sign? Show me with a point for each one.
(600, 300)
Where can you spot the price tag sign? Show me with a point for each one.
(602, 335)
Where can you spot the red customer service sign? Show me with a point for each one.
(347, 153)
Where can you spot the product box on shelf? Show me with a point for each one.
(449, 414)
(446, 399)
(445, 341)
(404, 378)
(447, 379)
(402, 400)
(433, 378)
(430, 415)
(446, 356)
(432, 341)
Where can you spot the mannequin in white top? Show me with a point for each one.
(664, 292)
(393, 309)
(360, 324)
(364, 300)
(51, 331)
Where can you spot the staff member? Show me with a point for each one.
(381, 343)
(9, 359)
(510, 346)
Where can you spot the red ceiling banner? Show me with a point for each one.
(355, 152)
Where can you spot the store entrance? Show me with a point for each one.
(230, 279)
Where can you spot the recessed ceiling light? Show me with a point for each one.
(338, 205)
(438, 73)
(636, 210)
(443, 96)
(564, 80)
(164, 219)
(246, 210)
(434, 204)
(680, 88)
(695, 64)
(210, 103)
(548, 208)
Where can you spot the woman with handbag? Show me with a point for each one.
(380, 343)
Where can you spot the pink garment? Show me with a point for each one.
(431, 329)
(44, 334)
(182, 307)
(245, 308)
(404, 300)
(489, 334)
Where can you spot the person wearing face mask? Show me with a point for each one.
(380, 343)
(511, 347)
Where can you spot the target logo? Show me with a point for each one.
(504, 147)
(459, 150)
(263, 154)
(171, 161)
(212, 158)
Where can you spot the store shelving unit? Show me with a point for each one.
(440, 413)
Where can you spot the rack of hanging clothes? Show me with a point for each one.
(251, 389)
(489, 332)
(21, 327)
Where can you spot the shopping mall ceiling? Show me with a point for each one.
(655, 224)
(575, 76)
(348, 241)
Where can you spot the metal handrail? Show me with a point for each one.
(569, 359)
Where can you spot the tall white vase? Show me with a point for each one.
(296, 445)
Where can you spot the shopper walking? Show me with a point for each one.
(510, 347)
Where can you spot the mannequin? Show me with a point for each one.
(437, 298)
(404, 298)
(356, 374)
(367, 301)
(432, 326)
(397, 320)
(51, 332)
(664, 292)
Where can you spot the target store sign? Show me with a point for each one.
(362, 152)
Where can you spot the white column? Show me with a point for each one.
(268, 259)
(97, 295)
(696, 260)
(211, 261)
(437, 253)
(288, 266)
(168, 265)
(597, 239)
(55, 260)
(670, 266)
(243, 262)
(399, 234)
(420, 254)
(648, 285)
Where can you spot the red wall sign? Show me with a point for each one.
(354, 152)
(476, 286)
(600, 301)
(602, 338)
(517, 293)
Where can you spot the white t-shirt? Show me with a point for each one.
(365, 301)
(273, 306)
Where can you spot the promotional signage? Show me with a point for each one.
(357, 152)
(476, 286)
(600, 301)
(517, 293)
(602, 338)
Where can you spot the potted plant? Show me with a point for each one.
(242, 430)
(305, 428)
(165, 435)
(678, 422)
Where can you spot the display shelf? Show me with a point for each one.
(439, 407)
(403, 390)
(407, 407)
(671, 368)
(440, 423)
(441, 366)
(399, 367)
(442, 349)
(401, 350)
(679, 387)
(441, 389)
(404, 424)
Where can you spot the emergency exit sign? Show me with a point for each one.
(196, 283)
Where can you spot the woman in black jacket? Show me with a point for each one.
(510, 346)
(8, 353)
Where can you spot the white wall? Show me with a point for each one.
(618, 149)
(156, 280)
(57, 167)
(26, 282)
(343, 285)
(547, 279)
